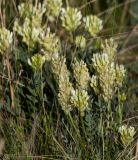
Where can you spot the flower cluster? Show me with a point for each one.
(71, 18)
(81, 74)
(127, 134)
(30, 27)
(53, 8)
(79, 99)
(94, 84)
(80, 41)
(57, 63)
(61, 72)
(36, 62)
(120, 74)
(68, 96)
(34, 13)
(31, 35)
(93, 24)
(50, 44)
(6, 39)
(109, 76)
(101, 62)
(80, 96)
(64, 96)
(109, 46)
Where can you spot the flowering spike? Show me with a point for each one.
(93, 25)
(71, 18)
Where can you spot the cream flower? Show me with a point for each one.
(93, 24)
(71, 18)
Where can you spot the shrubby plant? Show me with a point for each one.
(110, 76)
(77, 105)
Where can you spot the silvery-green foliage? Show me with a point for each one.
(93, 24)
(127, 134)
(53, 8)
(6, 40)
(71, 18)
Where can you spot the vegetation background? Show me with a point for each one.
(27, 131)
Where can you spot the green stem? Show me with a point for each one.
(72, 122)
(103, 139)
(109, 114)
(119, 110)
(42, 92)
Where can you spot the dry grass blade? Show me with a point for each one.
(136, 153)
(117, 6)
